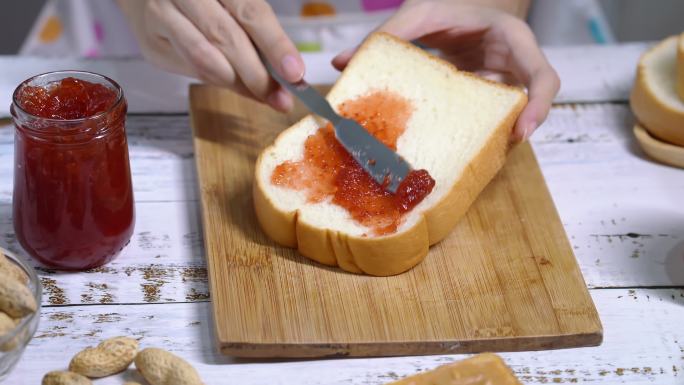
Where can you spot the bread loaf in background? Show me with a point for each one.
(654, 98)
(458, 130)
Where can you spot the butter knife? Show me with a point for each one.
(385, 166)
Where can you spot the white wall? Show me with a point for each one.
(567, 22)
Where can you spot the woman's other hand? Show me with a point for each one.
(481, 38)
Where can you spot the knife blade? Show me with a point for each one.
(385, 166)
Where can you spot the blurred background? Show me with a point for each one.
(30, 27)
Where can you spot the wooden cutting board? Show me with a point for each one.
(505, 279)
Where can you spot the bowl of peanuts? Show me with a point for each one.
(20, 293)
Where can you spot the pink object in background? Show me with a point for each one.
(378, 5)
(99, 32)
(92, 53)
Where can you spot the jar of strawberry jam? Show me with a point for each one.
(73, 200)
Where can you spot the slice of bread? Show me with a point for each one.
(654, 98)
(458, 129)
(663, 152)
(485, 368)
(680, 67)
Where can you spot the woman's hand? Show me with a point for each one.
(215, 41)
(482, 39)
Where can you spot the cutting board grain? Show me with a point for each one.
(504, 280)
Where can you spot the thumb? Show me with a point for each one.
(342, 59)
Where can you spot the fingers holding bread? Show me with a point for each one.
(480, 39)
(529, 64)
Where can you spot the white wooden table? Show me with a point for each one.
(624, 216)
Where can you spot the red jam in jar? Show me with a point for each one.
(73, 198)
(327, 169)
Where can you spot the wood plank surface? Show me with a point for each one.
(643, 344)
(506, 278)
(621, 211)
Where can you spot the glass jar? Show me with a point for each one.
(73, 198)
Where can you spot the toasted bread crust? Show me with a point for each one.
(442, 217)
(398, 252)
(660, 118)
(661, 151)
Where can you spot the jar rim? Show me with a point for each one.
(110, 109)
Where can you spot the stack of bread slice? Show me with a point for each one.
(458, 130)
(657, 101)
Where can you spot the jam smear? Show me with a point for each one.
(328, 171)
(68, 98)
